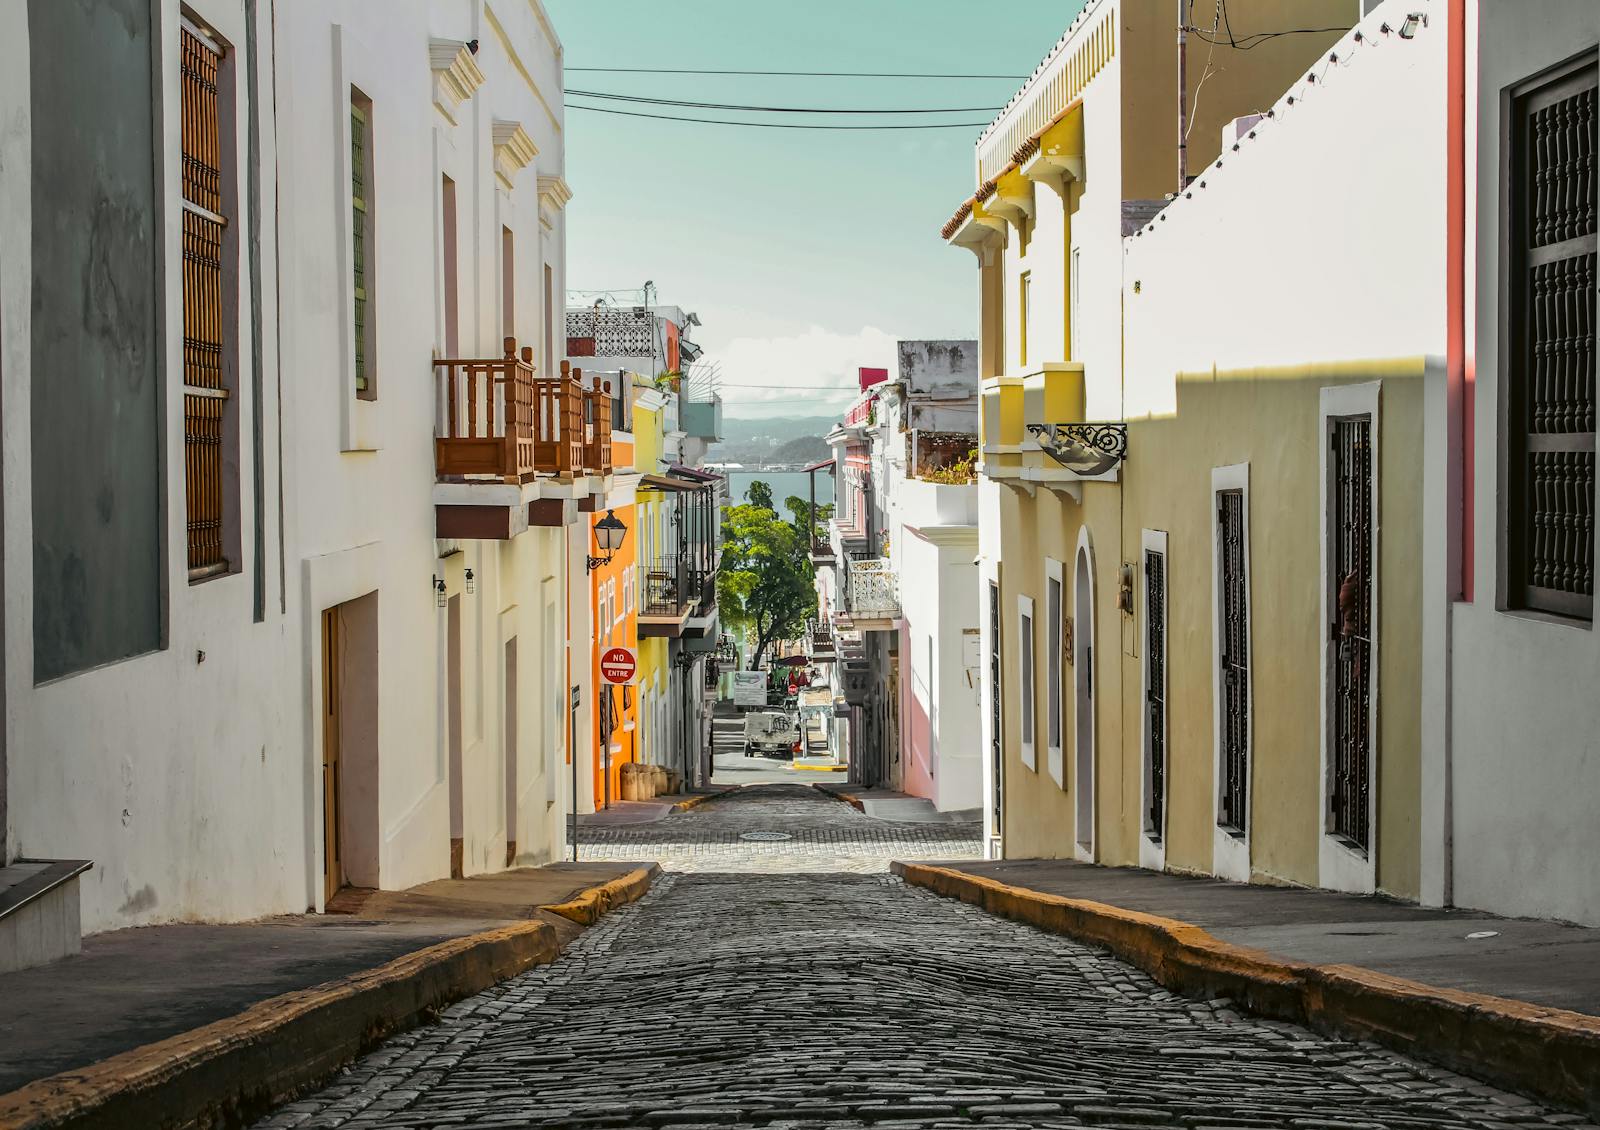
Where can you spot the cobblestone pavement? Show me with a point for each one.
(852, 1000)
(819, 834)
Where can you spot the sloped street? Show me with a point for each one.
(758, 985)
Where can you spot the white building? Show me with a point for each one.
(275, 619)
(897, 580)
(1511, 770)
(435, 569)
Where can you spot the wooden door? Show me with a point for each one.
(332, 855)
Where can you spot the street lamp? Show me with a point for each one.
(608, 535)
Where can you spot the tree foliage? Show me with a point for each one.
(760, 494)
(764, 584)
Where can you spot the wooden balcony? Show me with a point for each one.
(596, 456)
(500, 422)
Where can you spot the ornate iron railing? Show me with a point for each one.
(1351, 630)
(874, 587)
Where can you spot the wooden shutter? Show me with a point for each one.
(1550, 378)
(205, 395)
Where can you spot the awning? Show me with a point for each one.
(693, 473)
(665, 482)
(819, 466)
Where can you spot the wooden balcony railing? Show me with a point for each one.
(498, 420)
(597, 428)
(558, 435)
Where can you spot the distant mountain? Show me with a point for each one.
(805, 449)
(742, 430)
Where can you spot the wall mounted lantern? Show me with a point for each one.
(471, 583)
(440, 597)
(609, 533)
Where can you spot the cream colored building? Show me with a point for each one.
(1170, 678)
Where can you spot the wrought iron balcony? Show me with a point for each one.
(665, 603)
(873, 589)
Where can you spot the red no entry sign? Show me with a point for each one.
(618, 665)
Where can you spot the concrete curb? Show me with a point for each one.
(695, 801)
(232, 1071)
(1548, 1053)
(596, 902)
(839, 794)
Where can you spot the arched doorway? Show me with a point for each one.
(1083, 699)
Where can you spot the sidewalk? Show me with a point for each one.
(897, 807)
(132, 988)
(1518, 1004)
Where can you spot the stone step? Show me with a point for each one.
(39, 911)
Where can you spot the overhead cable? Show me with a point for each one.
(768, 125)
(795, 74)
(772, 109)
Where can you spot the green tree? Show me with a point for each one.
(760, 494)
(764, 585)
(797, 506)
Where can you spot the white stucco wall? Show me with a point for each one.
(362, 482)
(181, 778)
(1524, 755)
(1244, 271)
(939, 606)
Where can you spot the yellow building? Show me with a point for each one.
(1183, 474)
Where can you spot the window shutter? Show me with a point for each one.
(205, 393)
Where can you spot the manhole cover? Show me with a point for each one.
(766, 837)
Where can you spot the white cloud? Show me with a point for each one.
(780, 376)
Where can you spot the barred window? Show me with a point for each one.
(206, 334)
(361, 242)
(1549, 347)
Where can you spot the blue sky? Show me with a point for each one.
(805, 253)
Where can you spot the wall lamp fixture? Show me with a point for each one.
(609, 533)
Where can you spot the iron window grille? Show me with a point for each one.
(1234, 660)
(1351, 630)
(1549, 335)
(1155, 619)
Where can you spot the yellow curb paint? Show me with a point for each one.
(596, 902)
(848, 798)
(244, 1064)
(1549, 1053)
(822, 768)
(692, 802)
(235, 1069)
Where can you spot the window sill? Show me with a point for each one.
(1534, 615)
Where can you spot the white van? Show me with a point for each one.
(770, 732)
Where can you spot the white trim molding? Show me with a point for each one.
(1083, 760)
(1027, 683)
(1055, 671)
(1230, 852)
(455, 75)
(1153, 841)
(1342, 866)
(514, 151)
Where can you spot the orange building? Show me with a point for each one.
(613, 595)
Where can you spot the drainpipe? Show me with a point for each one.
(1459, 378)
(1183, 100)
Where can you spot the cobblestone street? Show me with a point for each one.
(777, 828)
(799, 999)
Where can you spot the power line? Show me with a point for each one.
(773, 109)
(794, 74)
(765, 125)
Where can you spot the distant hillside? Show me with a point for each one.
(742, 429)
(805, 449)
